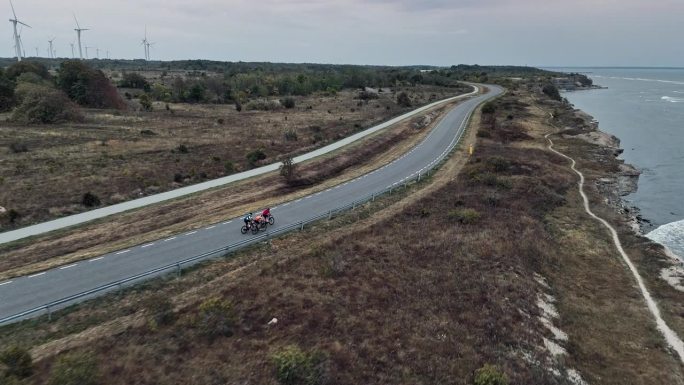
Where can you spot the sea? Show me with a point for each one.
(644, 108)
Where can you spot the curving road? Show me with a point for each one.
(23, 293)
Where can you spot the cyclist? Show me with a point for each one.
(248, 220)
(266, 213)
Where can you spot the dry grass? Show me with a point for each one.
(122, 156)
(121, 231)
(402, 293)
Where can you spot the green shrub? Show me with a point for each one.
(263, 105)
(291, 135)
(183, 149)
(551, 91)
(74, 369)
(229, 167)
(216, 318)
(26, 66)
(464, 216)
(134, 80)
(490, 375)
(87, 86)
(90, 200)
(41, 104)
(254, 156)
(498, 164)
(288, 170)
(17, 147)
(296, 367)
(145, 102)
(17, 362)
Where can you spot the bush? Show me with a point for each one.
(183, 149)
(263, 105)
(551, 91)
(403, 100)
(229, 167)
(6, 92)
(489, 108)
(41, 104)
(490, 375)
(288, 102)
(74, 369)
(296, 367)
(134, 80)
(498, 164)
(464, 216)
(145, 102)
(90, 200)
(238, 106)
(27, 66)
(366, 95)
(17, 147)
(13, 215)
(160, 310)
(87, 86)
(17, 362)
(216, 318)
(254, 156)
(291, 135)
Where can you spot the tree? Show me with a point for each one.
(25, 66)
(288, 170)
(134, 80)
(145, 102)
(87, 86)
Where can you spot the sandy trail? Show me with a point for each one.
(670, 336)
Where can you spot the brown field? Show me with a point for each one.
(46, 169)
(421, 287)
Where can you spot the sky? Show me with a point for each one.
(378, 32)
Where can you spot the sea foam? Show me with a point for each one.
(670, 235)
(672, 100)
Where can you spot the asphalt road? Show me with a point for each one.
(24, 293)
(76, 219)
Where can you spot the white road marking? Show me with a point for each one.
(95, 259)
(298, 200)
(36, 275)
(147, 245)
(210, 227)
(192, 232)
(5, 283)
(66, 267)
(227, 222)
(169, 239)
(285, 204)
(273, 208)
(123, 252)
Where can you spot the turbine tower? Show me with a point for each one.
(17, 37)
(51, 51)
(78, 30)
(72, 50)
(87, 51)
(97, 53)
(146, 45)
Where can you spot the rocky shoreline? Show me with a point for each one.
(618, 184)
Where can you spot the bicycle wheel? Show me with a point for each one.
(243, 230)
(271, 220)
(255, 228)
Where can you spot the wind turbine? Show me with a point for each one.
(97, 53)
(51, 52)
(72, 50)
(146, 45)
(78, 30)
(37, 54)
(17, 36)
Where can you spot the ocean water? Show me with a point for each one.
(644, 107)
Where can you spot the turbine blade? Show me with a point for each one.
(24, 24)
(14, 13)
(77, 26)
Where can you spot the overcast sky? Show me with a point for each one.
(399, 32)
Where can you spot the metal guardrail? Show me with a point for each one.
(177, 266)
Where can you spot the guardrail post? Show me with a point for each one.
(418, 179)
(373, 198)
(301, 226)
(390, 191)
(49, 313)
(178, 270)
(353, 205)
(120, 289)
(330, 215)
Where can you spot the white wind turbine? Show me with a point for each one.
(51, 51)
(72, 50)
(17, 36)
(78, 30)
(87, 57)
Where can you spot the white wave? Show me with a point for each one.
(672, 100)
(670, 235)
(678, 92)
(641, 80)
